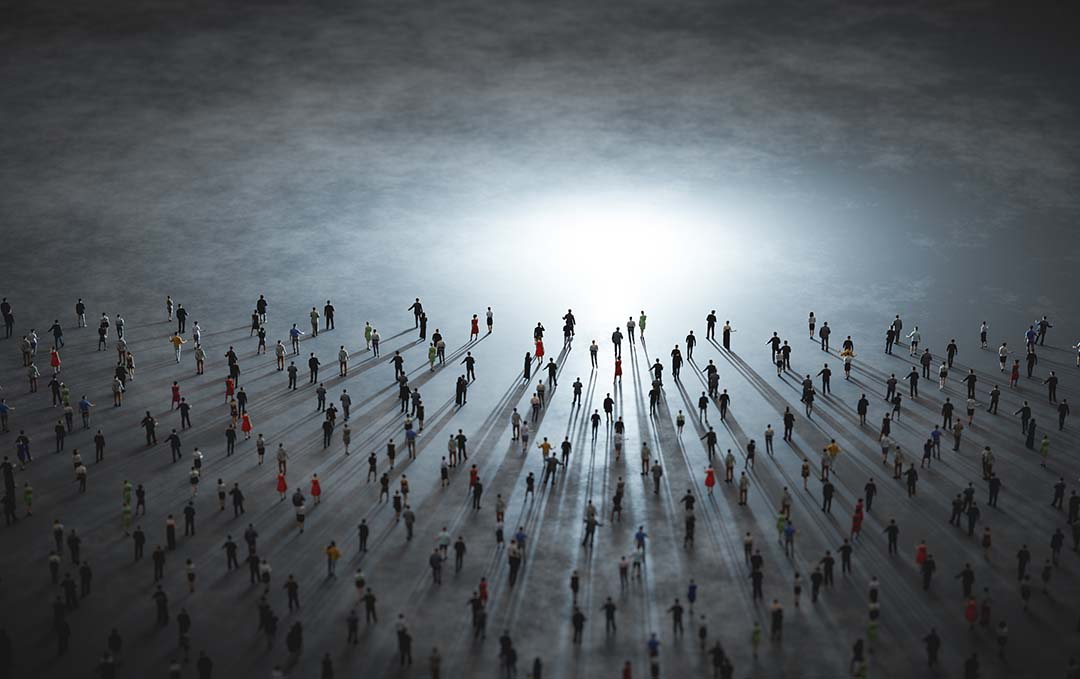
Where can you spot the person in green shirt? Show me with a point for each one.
(641, 325)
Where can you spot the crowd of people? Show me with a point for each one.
(1038, 559)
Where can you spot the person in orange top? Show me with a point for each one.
(316, 489)
(332, 556)
(177, 341)
(245, 425)
(545, 447)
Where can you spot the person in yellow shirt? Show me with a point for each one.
(545, 446)
(832, 450)
(177, 342)
(332, 556)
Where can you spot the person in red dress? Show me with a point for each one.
(54, 360)
(482, 590)
(710, 478)
(539, 353)
(175, 396)
(474, 331)
(316, 489)
(920, 553)
(1014, 377)
(971, 612)
(245, 425)
(618, 369)
(281, 486)
(856, 520)
(230, 388)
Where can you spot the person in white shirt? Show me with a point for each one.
(915, 336)
(983, 329)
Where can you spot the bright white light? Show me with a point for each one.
(611, 250)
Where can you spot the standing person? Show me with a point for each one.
(417, 308)
(776, 627)
(915, 336)
(177, 341)
(933, 643)
(328, 315)
(343, 361)
(181, 319)
(1043, 325)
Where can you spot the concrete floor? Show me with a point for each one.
(762, 161)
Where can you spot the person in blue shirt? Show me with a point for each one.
(84, 409)
(295, 334)
(4, 410)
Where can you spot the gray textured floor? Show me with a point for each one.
(762, 160)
